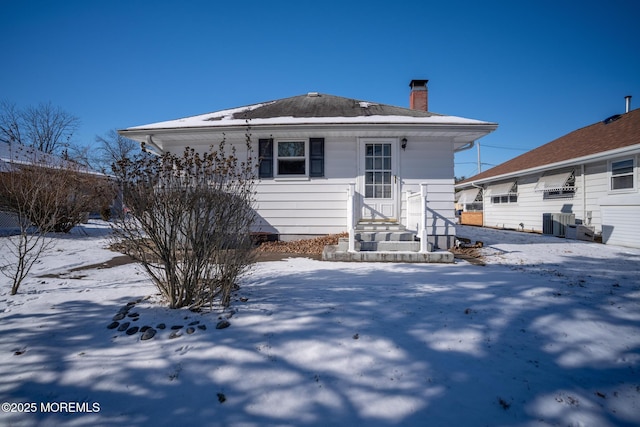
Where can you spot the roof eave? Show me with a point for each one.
(480, 128)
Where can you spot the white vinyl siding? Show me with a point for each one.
(431, 162)
(300, 208)
(621, 220)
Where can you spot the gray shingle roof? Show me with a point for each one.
(321, 105)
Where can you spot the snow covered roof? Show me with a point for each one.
(18, 154)
(21, 154)
(311, 108)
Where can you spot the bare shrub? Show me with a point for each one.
(188, 220)
(44, 194)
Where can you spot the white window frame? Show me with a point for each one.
(504, 199)
(277, 158)
(632, 174)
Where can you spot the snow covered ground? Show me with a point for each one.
(546, 334)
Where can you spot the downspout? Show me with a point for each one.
(473, 184)
(467, 146)
(156, 149)
(584, 196)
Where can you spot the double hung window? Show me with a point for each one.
(291, 158)
(622, 174)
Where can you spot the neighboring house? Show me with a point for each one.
(331, 164)
(14, 155)
(588, 177)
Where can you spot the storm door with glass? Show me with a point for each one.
(379, 180)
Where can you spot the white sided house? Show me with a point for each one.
(329, 165)
(582, 185)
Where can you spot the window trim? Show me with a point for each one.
(632, 174)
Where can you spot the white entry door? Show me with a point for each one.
(379, 179)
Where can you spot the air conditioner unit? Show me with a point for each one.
(547, 223)
(556, 223)
(560, 222)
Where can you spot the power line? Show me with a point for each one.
(506, 148)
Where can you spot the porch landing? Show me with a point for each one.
(383, 242)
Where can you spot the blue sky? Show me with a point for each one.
(539, 69)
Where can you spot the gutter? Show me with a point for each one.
(484, 128)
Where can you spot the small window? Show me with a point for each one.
(622, 174)
(511, 196)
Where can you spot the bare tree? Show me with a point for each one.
(189, 223)
(46, 127)
(114, 148)
(49, 128)
(10, 123)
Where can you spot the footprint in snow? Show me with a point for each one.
(184, 349)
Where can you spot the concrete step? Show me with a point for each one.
(390, 246)
(331, 253)
(379, 226)
(384, 236)
(343, 244)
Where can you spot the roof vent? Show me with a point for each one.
(611, 119)
(313, 94)
(365, 104)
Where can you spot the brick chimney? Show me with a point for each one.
(418, 100)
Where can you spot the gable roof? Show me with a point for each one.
(311, 108)
(614, 133)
